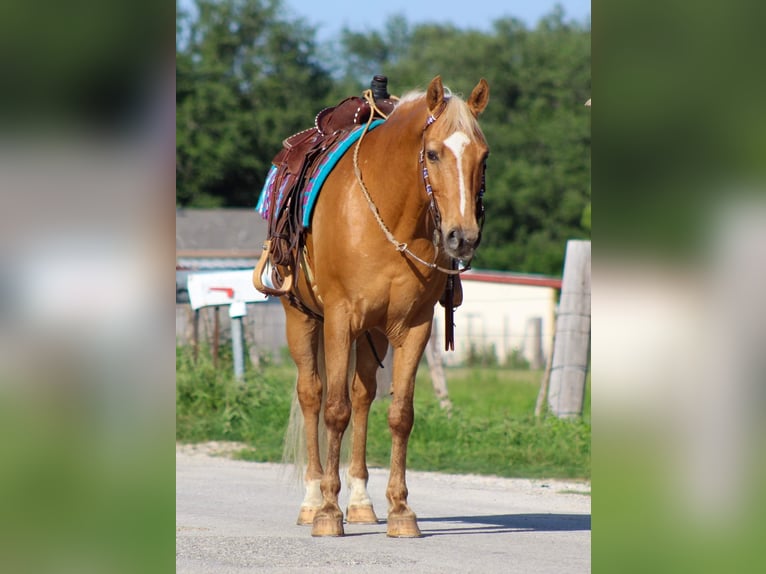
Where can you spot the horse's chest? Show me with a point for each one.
(408, 299)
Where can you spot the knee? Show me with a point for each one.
(400, 417)
(337, 414)
(310, 395)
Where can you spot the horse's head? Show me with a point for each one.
(454, 154)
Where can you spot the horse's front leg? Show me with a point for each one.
(360, 510)
(328, 520)
(402, 521)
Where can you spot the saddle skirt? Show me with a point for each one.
(275, 191)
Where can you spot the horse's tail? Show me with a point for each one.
(294, 448)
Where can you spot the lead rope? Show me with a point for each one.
(400, 247)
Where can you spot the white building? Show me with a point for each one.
(498, 315)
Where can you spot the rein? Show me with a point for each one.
(433, 208)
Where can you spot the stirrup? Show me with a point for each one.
(264, 265)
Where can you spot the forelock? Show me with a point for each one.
(456, 115)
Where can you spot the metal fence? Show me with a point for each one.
(264, 328)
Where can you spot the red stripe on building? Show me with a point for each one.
(511, 279)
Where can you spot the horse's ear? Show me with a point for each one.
(479, 98)
(435, 94)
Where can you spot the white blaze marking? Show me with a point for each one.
(457, 142)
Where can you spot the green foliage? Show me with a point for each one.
(247, 78)
(586, 217)
(367, 53)
(515, 360)
(481, 356)
(521, 447)
(491, 429)
(212, 405)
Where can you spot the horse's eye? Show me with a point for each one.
(432, 155)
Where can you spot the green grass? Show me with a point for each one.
(212, 405)
(491, 429)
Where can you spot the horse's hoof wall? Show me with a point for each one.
(306, 516)
(327, 526)
(403, 527)
(361, 515)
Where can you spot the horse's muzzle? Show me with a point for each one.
(460, 243)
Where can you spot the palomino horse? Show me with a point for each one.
(391, 223)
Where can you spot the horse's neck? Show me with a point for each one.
(399, 193)
(397, 186)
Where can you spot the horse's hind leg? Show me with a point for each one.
(328, 520)
(402, 521)
(360, 510)
(303, 339)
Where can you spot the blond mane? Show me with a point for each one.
(456, 116)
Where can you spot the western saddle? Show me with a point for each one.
(299, 157)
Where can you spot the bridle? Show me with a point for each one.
(433, 208)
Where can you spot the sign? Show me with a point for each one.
(223, 288)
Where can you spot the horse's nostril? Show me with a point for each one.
(454, 239)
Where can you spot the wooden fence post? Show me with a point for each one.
(571, 349)
(542, 394)
(436, 368)
(533, 343)
(385, 375)
(196, 335)
(216, 334)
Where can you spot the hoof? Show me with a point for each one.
(361, 515)
(403, 527)
(327, 526)
(306, 516)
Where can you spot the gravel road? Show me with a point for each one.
(235, 516)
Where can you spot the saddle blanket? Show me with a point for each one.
(311, 190)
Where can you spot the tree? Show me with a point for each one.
(365, 54)
(245, 79)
